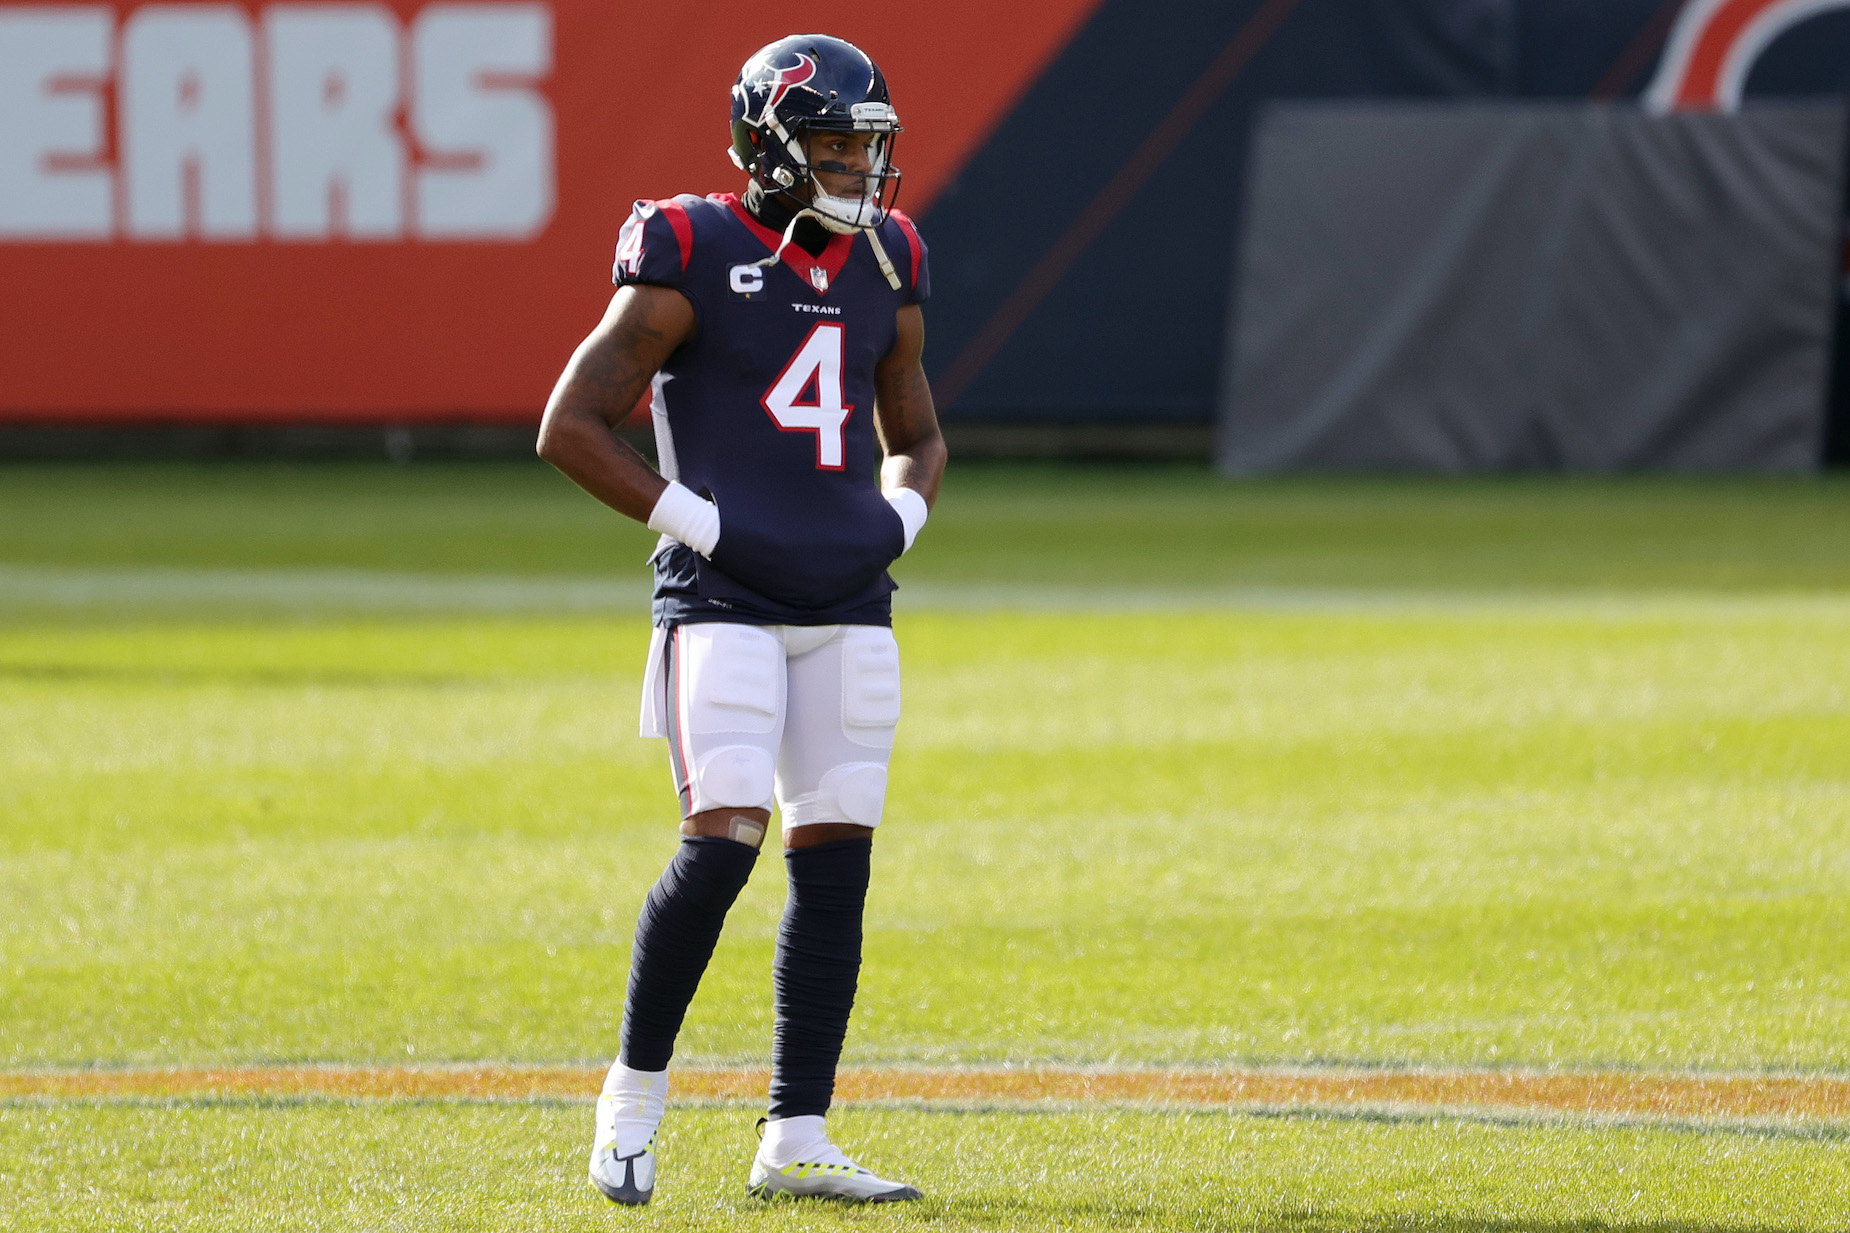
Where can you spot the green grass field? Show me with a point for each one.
(339, 764)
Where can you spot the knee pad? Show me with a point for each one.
(733, 776)
(854, 793)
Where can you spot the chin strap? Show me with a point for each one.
(784, 243)
(886, 264)
(873, 241)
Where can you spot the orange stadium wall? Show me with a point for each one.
(388, 211)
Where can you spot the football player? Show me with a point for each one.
(778, 333)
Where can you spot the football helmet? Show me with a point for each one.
(810, 83)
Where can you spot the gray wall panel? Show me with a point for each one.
(1524, 286)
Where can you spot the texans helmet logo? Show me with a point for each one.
(783, 80)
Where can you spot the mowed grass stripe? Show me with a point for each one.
(1589, 1094)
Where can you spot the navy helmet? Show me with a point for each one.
(812, 82)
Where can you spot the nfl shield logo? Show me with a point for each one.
(819, 279)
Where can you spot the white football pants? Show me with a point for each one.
(800, 714)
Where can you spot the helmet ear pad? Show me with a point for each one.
(746, 152)
(753, 152)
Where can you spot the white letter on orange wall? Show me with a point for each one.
(188, 133)
(502, 132)
(333, 87)
(39, 199)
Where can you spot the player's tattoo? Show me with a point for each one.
(607, 377)
(602, 384)
(904, 415)
(638, 333)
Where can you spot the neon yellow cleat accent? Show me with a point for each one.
(629, 1180)
(832, 1177)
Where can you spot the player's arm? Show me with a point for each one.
(908, 424)
(601, 385)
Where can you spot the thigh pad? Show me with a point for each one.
(732, 679)
(729, 699)
(870, 686)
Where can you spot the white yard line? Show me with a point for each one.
(1593, 1097)
(100, 588)
(313, 589)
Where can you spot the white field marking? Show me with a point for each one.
(1694, 1099)
(28, 586)
(103, 587)
(1546, 604)
(979, 1071)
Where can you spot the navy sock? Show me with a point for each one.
(680, 924)
(818, 964)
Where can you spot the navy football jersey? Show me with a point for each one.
(768, 410)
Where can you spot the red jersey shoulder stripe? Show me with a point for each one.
(912, 241)
(676, 214)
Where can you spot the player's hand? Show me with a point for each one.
(688, 517)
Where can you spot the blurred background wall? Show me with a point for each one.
(1503, 286)
(400, 215)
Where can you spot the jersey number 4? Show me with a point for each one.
(629, 248)
(807, 397)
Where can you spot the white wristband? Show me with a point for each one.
(692, 519)
(912, 511)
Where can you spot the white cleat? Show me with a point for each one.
(824, 1174)
(628, 1114)
(629, 1180)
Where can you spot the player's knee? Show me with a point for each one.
(735, 777)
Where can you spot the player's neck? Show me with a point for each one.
(811, 236)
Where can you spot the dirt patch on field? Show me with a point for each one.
(1585, 1095)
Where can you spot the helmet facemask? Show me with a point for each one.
(858, 213)
(780, 162)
